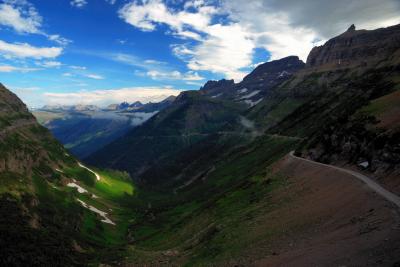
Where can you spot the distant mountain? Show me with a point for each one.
(84, 129)
(121, 106)
(255, 86)
(139, 107)
(151, 107)
(70, 108)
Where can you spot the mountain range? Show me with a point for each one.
(296, 165)
(84, 129)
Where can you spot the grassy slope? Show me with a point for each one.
(49, 212)
(208, 222)
(386, 109)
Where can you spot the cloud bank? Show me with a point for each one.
(106, 97)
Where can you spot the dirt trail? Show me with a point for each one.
(368, 181)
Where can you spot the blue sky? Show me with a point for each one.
(105, 51)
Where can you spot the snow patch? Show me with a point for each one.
(283, 73)
(250, 95)
(252, 103)
(82, 166)
(242, 91)
(364, 164)
(215, 96)
(101, 213)
(78, 187)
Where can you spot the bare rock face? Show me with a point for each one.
(357, 48)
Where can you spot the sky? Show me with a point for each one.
(109, 51)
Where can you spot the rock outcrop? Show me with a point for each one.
(361, 48)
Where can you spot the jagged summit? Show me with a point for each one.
(211, 85)
(352, 28)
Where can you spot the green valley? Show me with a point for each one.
(296, 165)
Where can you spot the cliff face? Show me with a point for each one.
(357, 48)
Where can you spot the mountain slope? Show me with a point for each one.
(227, 199)
(28, 152)
(210, 118)
(54, 211)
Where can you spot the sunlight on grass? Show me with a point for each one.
(112, 185)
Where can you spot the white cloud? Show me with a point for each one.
(7, 68)
(67, 74)
(226, 49)
(49, 64)
(59, 39)
(155, 62)
(222, 35)
(127, 59)
(174, 75)
(22, 18)
(77, 67)
(24, 50)
(94, 76)
(105, 97)
(111, 2)
(78, 3)
(146, 15)
(221, 48)
(195, 83)
(293, 27)
(155, 69)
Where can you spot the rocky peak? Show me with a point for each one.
(186, 96)
(169, 99)
(212, 85)
(276, 68)
(136, 104)
(356, 48)
(352, 28)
